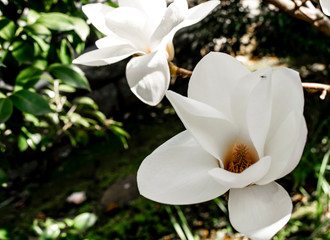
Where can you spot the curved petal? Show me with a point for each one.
(153, 9)
(240, 99)
(243, 179)
(129, 23)
(210, 128)
(213, 80)
(192, 16)
(199, 12)
(287, 96)
(149, 77)
(258, 113)
(106, 55)
(285, 147)
(259, 212)
(298, 150)
(96, 13)
(174, 15)
(325, 5)
(112, 41)
(176, 173)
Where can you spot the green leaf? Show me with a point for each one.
(4, 234)
(111, 4)
(41, 43)
(100, 116)
(56, 21)
(86, 101)
(80, 27)
(40, 63)
(32, 16)
(3, 179)
(31, 118)
(51, 232)
(64, 52)
(66, 88)
(28, 77)
(84, 221)
(70, 75)
(119, 131)
(23, 51)
(30, 102)
(22, 143)
(38, 29)
(6, 109)
(80, 47)
(76, 118)
(7, 28)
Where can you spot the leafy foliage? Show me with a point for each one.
(66, 229)
(284, 36)
(40, 90)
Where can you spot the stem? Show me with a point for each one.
(179, 72)
(317, 87)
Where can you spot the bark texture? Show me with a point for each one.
(306, 11)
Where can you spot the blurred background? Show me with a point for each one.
(73, 137)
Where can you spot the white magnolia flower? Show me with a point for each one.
(244, 131)
(325, 5)
(144, 29)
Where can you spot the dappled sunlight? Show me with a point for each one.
(91, 146)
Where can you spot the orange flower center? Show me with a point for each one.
(239, 158)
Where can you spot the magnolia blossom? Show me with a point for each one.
(244, 130)
(325, 5)
(144, 29)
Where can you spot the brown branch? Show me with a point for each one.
(176, 71)
(317, 87)
(179, 72)
(304, 10)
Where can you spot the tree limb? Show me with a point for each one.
(304, 10)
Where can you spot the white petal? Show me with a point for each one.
(213, 80)
(298, 150)
(129, 23)
(259, 212)
(106, 55)
(176, 173)
(325, 5)
(149, 76)
(240, 99)
(258, 113)
(243, 179)
(174, 15)
(198, 13)
(96, 13)
(192, 16)
(287, 94)
(210, 128)
(285, 147)
(111, 41)
(153, 9)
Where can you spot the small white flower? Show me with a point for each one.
(244, 130)
(144, 29)
(325, 6)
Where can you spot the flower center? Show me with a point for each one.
(239, 158)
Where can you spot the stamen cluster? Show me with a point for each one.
(240, 160)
